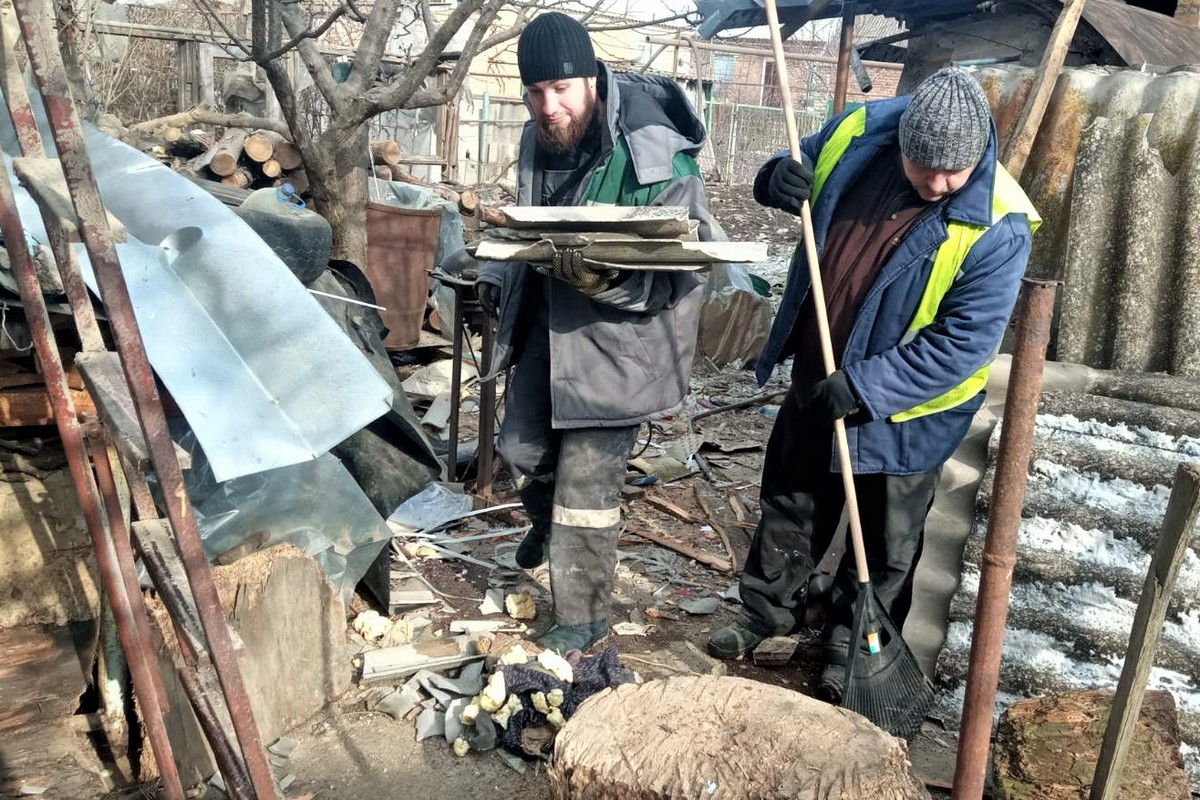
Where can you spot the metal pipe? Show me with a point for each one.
(97, 237)
(1035, 311)
(487, 413)
(455, 382)
(147, 683)
(841, 84)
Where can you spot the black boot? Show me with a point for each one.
(538, 498)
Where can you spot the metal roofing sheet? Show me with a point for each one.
(1138, 36)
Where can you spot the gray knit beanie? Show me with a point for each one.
(948, 122)
(554, 47)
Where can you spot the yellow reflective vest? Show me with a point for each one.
(1007, 198)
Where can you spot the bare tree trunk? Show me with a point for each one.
(338, 183)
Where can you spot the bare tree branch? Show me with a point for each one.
(313, 33)
(212, 16)
(370, 48)
(206, 116)
(395, 95)
(624, 26)
(310, 54)
(427, 16)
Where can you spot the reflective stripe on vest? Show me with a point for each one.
(1007, 198)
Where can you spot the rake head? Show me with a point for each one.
(884, 683)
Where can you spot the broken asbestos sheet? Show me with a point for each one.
(656, 238)
(263, 375)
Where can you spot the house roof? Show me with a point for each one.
(1138, 36)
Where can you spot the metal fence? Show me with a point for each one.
(744, 136)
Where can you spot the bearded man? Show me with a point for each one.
(595, 352)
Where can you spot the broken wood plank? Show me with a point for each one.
(716, 526)
(683, 548)
(105, 380)
(1182, 510)
(31, 406)
(665, 505)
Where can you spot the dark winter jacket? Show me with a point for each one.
(894, 366)
(624, 354)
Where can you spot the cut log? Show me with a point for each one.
(382, 172)
(259, 146)
(468, 201)
(1046, 748)
(271, 168)
(240, 178)
(224, 155)
(286, 153)
(732, 738)
(187, 144)
(297, 178)
(385, 152)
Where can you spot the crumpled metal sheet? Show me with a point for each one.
(263, 375)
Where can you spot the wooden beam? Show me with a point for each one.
(1016, 151)
(683, 548)
(765, 53)
(27, 407)
(845, 44)
(1178, 526)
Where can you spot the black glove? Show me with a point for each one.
(790, 185)
(489, 298)
(567, 266)
(831, 398)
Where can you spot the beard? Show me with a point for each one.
(565, 138)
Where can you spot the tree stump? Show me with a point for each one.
(1046, 749)
(727, 739)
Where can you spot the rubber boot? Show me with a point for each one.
(538, 498)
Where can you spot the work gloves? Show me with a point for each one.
(568, 267)
(488, 295)
(790, 185)
(831, 398)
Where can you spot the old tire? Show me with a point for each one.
(303, 241)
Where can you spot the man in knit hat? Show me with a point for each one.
(595, 352)
(923, 240)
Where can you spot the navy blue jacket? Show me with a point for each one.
(888, 376)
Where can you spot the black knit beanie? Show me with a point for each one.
(553, 47)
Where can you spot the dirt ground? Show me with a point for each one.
(353, 752)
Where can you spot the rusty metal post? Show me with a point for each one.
(147, 683)
(12, 82)
(222, 749)
(1035, 310)
(485, 452)
(92, 223)
(841, 84)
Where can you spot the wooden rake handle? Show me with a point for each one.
(818, 292)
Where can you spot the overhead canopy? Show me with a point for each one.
(1138, 36)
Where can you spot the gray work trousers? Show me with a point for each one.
(570, 482)
(802, 502)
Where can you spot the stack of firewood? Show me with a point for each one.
(241, 158)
